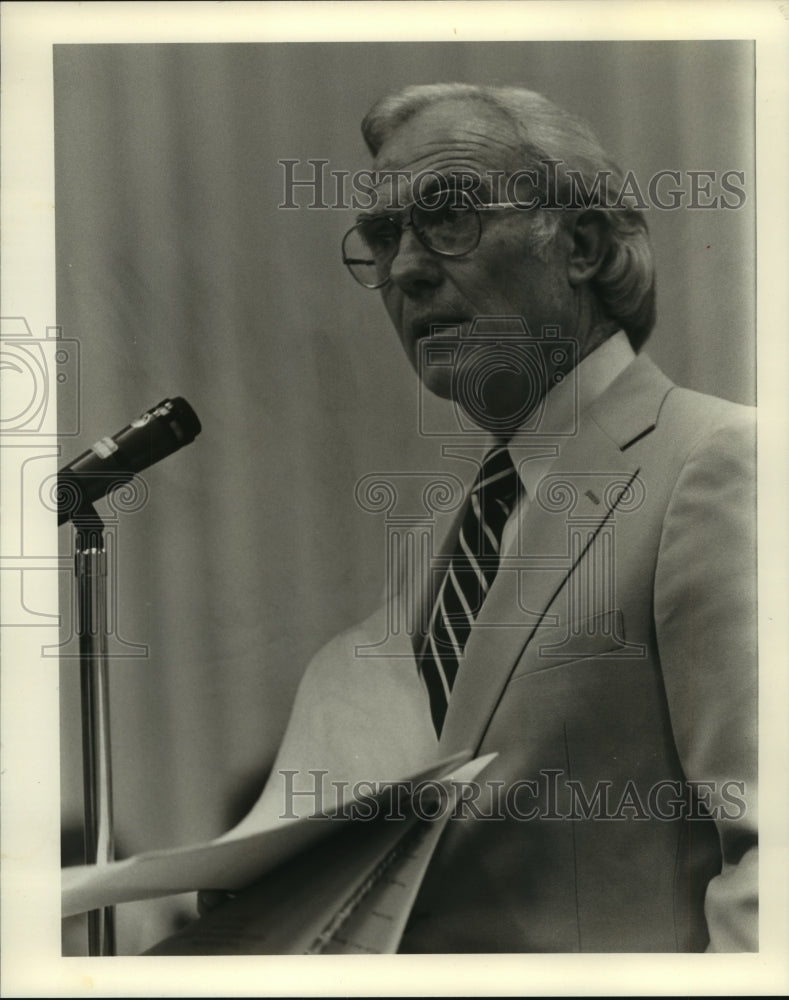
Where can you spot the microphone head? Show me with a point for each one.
(181, 417)
(111, 462)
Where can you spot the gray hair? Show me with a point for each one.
(625, 283)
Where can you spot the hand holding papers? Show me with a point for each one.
(358, 721)
(341, 881)
(350, 894)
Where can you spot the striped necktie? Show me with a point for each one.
(472, 569)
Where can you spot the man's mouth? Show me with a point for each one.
(437, 326)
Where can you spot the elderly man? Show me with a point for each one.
(590, 616)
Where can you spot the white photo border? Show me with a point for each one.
(32, 965)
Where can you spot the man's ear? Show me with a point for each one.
(590, 241)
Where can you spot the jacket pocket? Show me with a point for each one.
(600, 635)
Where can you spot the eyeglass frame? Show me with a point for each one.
(402, 226)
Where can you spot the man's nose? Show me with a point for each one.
(414, 268)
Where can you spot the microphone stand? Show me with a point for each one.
(91, 571)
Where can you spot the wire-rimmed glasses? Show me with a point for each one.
(448, 223)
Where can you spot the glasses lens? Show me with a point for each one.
(449, 225)
(369, 249)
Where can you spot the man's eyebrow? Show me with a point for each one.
(456, 179)
(380, 213)
(453, 180)
(437, 182)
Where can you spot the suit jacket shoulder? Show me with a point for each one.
(643, 399)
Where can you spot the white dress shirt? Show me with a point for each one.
(534, 451)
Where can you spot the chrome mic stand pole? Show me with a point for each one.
(91, 572)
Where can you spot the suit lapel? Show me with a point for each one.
(584, 486)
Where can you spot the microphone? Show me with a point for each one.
(113, 461)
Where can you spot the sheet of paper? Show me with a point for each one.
(376, 922)
(234, 860)
(351, 894)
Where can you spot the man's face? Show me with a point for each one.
(501, 277)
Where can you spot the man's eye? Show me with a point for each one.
(379, 235)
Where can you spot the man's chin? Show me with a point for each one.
(438, 382)
(500, 414)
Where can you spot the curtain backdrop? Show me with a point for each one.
(178, 274)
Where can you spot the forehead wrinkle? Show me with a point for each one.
(448, 166)
(468, 148)
(485, 139)
(460, 146)
(438, 157)
(468, 139)
(457, 141)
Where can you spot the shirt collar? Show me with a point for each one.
(535, 449)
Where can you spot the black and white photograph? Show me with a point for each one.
(393, 566)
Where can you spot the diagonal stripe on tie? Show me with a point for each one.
(470, 574)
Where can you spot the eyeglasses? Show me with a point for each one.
(448, 223)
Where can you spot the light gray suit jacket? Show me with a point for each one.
(630, 706)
